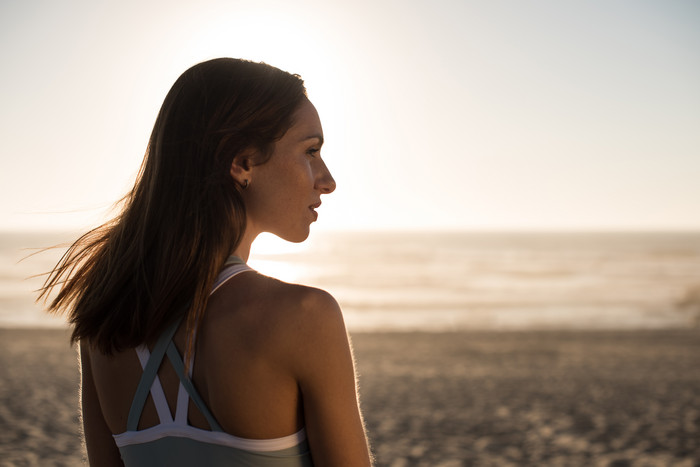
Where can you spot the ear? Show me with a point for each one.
(241, 167)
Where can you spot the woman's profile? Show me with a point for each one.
(189, 356)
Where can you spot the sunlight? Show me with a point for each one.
(282, 270)
(279, 36)
(268, 244)
(270, 256)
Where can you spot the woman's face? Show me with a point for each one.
(284, 192)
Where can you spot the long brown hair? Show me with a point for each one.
(125, 281)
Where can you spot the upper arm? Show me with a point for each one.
(325, 372)
(100, 445)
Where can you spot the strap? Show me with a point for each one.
(229, 271)
(183, 402)
(233, 259)
(156, 388)
(149, 374)
(232, 267)
(176, 361)
(149, 379)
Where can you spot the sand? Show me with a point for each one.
(529, 398)
(38, 399)
(442, 399)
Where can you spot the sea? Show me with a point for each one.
(444, 281)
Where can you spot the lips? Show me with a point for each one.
(313, 208)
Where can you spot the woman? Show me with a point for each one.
(266, 375)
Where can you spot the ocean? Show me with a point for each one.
(437, 281)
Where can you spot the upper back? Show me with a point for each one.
(243, 364)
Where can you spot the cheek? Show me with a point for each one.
(283, 188)
(278, 197)
(296, 179)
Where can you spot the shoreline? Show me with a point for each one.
(438, 399)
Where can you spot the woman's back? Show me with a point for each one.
(262, 348)
(240, 366)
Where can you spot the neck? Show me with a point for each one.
(243, 248)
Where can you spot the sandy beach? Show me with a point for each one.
(439, 399)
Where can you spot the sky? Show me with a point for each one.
(441, 114)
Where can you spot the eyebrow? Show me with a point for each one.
(316, 136)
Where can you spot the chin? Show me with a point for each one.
(294, 237)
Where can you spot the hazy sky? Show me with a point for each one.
(437, 114)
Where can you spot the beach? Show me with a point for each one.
(560, 398)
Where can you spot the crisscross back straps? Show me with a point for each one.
(176, 361)
(165, 346)
(149, 374)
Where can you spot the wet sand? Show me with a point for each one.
(439, 399)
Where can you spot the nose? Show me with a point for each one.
(325, 181)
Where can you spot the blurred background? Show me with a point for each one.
(514, 179)
(450, 114)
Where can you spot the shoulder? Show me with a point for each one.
(304, 316)
(308, 308)
(276, 311)
(261, 292)
(254, 289)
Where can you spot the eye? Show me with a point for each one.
(313, 152)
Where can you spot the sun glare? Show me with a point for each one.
(269, 256)
(268, 244)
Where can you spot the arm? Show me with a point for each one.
(100, 445)
(326, 376)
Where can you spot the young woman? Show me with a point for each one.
(189, 357)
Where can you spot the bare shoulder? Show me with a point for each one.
(304, 314)
(296, 336)
(275, 296)
(275, 311)
(308, 308)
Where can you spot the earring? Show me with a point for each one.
(245, 183)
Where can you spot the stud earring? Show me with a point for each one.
(245, 183)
